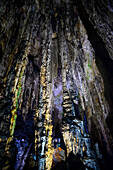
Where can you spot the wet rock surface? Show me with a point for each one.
(56, 90)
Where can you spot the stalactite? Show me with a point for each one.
(52, 88)
(17, 94)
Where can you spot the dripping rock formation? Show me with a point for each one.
(56, 84)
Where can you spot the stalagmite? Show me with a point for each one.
(56, 85)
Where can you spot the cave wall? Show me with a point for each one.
(48, 83)
(101, 16)
(97, 19)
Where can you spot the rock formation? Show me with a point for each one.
(56, 93)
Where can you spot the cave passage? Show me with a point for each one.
(56, 88)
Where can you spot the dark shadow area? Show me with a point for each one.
(74, 162)
(58, 134)
(60, 166)
(24, 129)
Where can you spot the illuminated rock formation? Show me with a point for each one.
(56, 92)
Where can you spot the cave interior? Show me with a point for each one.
(56, 84)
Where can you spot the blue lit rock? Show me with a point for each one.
(55, 94)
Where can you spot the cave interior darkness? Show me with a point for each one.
(56, 84)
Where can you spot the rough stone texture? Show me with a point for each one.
(53, 89)
(101, 16)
